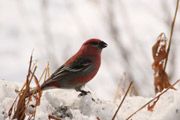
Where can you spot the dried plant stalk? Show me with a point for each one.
(19, 106)
(160, 55)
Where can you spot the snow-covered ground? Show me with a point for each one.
(67, 104)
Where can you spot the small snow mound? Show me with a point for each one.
(62, 103)
(67, 105)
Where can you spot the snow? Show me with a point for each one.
(68, 105)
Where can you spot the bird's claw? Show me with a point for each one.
(83, 93)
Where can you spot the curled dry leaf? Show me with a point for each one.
(159, 52)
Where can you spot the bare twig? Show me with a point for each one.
(122, 100)
(152, 99)
(172, 30)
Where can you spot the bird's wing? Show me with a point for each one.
(79, 65)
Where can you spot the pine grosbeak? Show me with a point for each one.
(79, 69)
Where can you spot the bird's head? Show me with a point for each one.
(92, 47)
(95, 43)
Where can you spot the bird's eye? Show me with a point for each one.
(94, 43)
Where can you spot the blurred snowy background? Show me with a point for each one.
(56, 29)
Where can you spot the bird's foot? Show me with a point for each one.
(83, 93)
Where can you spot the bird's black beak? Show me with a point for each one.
(102, 44)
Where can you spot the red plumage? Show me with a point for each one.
(79, 69)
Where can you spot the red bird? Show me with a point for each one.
(79, 69)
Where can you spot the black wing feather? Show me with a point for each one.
(79, 65)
